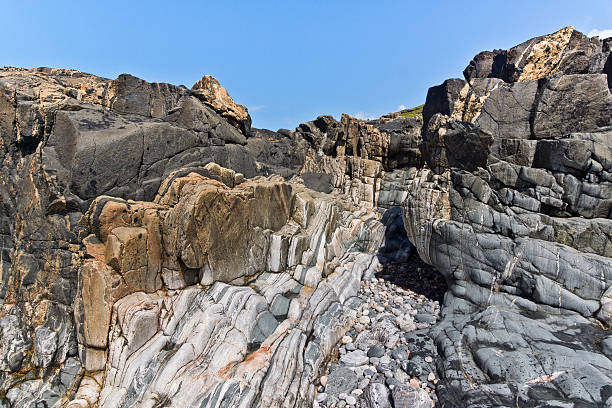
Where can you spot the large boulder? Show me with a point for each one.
(210, 91)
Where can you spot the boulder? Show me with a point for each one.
(210, 91)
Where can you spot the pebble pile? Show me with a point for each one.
(387, 359)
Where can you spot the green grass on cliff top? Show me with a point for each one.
(412, 112)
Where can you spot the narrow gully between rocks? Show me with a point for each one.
(387, 358)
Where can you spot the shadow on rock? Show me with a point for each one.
(402, 266)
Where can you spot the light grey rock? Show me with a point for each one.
(354, 358)
(377, 396)
(45, 345)
(15, 343)
(406, 396)
(605, 311)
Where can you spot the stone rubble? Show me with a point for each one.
(387, 357)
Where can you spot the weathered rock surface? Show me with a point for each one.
(372, 161)
(210, 91)
(212, 293)
(517, 215)
(87, 273)
(157, 251)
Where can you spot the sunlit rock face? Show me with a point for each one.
(210, 91)
(372, 161)
(157, 251)
(67, 138)
(215, 293)
(127, 215)
(517, 216)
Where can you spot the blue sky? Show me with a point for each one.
(287, 61)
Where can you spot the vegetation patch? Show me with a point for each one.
(412, 112)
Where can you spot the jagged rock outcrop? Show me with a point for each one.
(67, 138)
(518, 220)
(157, 251)
(215, 294)
(369, 160)
(210, 91)
(140, 266)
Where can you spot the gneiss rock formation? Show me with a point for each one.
(121, 232)
(517, 216)
(158, 251)
(67, 138)
(219, 295)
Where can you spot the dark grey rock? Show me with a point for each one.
(412, 368)
(606, 346)
(425, 318)
(391, 381)
(341, 380)
(376, 351)
(266, 324)
(441, 99)
(400, 353)
(397, 246)
(321, 182)
(506, 112)
(485, 64)
(280, 306)
(556, 114)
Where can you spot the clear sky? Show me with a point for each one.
(287, 61)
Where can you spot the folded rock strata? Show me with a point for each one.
(518, 219)
(73, 144)
(217, 295)
(158, 251)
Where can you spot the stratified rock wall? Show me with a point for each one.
(213, 293)
(372, 161)
(67, 138)
(158, 251)
(519, 222)
(140, 266)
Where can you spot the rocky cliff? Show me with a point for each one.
(516, 213)
(131, 217)
(68, 138)
(159, 251)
